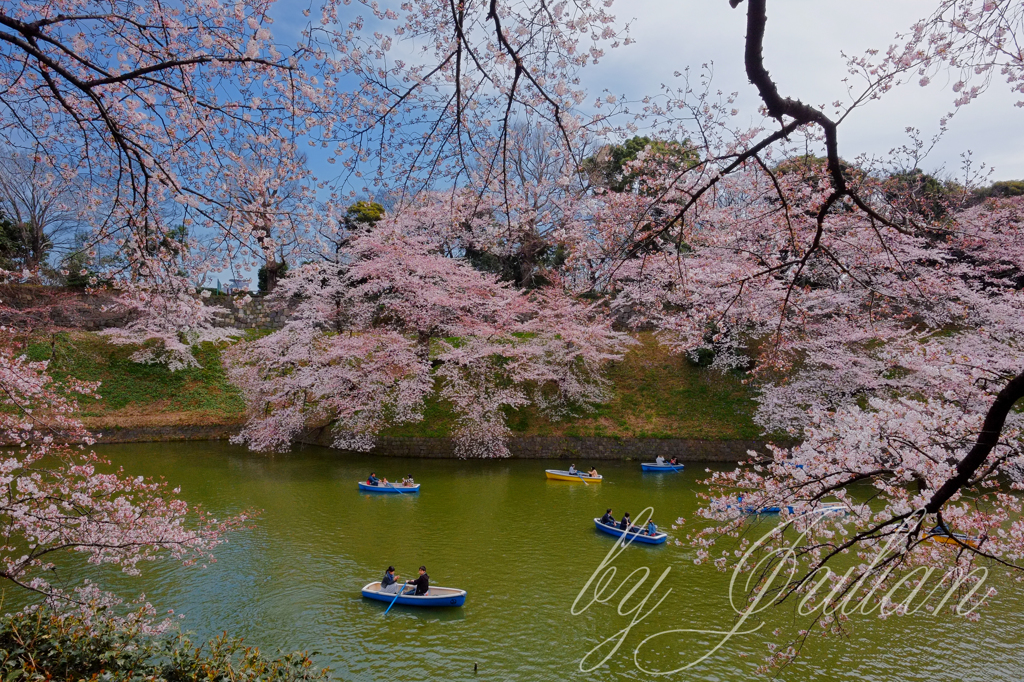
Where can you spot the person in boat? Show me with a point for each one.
(674, 461)
(408, 482)
(651, 528)
(592, 473)
(660, 460)
(422, 583)
(625, 523)
(389, 583)
(572, 469)
(373, 480)
(608, 519)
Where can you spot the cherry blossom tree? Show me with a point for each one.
(58, 497)
(891, 356)
(395, 320)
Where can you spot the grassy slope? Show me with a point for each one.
(141, 395)
(655, 395)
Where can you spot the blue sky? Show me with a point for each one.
(803, 51)
(804, 45)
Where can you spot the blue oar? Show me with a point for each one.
(399, 594)
(396, 489)
(581, 478)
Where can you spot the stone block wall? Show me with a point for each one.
(580, 449)
(93, 311)
(35, 306)
(256, 313)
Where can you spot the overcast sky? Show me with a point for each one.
(803, 46)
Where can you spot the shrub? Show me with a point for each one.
(42, 645)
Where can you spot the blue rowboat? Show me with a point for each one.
(750, 509)
(652, 466)
(769, 510)
(396, 488)
(435, 596)
(656, 539)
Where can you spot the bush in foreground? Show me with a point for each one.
(43, 645)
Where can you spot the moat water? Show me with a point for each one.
(523, 547)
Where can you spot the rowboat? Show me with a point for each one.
(435, 596)
(768, 510)
(396, 488)
(559, 475)
(951, 538)
(656, 539)
(653, 466)
(751, 509)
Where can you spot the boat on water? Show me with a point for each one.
(435, 596)
(654, 466)
(396, 488)
(656, 539)
(561, 475)
(952, 538)
(754, 511)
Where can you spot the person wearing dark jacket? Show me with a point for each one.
(608, 519)
(625, 523)
(422, 583)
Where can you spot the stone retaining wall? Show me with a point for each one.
(155, 434)
(254, 314)
(93, 311)
(45, 306)
(582, 449)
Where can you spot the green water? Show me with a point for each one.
(523, 547)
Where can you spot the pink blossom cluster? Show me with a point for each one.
(393, 322)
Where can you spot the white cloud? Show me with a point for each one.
(804, 43)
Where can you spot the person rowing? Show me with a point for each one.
(608, 519)
(660, 461)
(572, 470)
(422, 583)
(389, 583)
(373, 480)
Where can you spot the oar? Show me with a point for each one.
(399, 594)
(580, 476)
(394, 488)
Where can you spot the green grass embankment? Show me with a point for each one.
(655, 395)
(134, 394)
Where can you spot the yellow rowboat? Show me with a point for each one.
(560, 475)
(958, 539)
